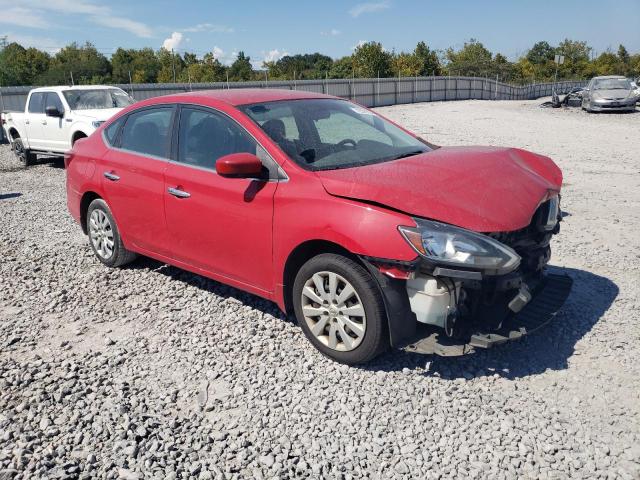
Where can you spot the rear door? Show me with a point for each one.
(133, 177)
(35, 121)
(221, 225)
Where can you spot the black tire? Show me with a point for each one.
(119, 254)
(376, 336)
(25, 157)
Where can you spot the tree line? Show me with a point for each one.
(84, 64)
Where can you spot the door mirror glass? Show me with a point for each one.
(239, 165)
(52, 111)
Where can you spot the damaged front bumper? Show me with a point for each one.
(521, 303)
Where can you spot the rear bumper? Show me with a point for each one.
(548, 298)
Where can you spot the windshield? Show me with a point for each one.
(97, 99)
(612, 84)
(327, 134)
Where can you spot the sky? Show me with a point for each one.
(268, 30)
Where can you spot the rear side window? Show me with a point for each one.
(36, 102)
(148, 132)
(111, 132)
(53, 100)
(206, 136)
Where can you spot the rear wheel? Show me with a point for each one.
(340, 309)
(104, 236)
(25, 157)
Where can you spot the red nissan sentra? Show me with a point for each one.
(370, 235)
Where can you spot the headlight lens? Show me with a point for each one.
(453, 246)
(96, 124)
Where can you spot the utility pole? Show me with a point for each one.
(130, 85)
(72, 82)
(173, 65)
(3, 42)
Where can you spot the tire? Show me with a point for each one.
(25, 157)
(367, 334)
(104, 236)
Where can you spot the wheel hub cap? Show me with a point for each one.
(333, 311)
(101, 234)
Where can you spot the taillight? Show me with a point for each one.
(68, 156)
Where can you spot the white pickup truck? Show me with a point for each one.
(55, 117)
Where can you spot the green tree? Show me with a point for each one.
(540, 53)
(241, 69)
(342, 68)
(406, 64)
(85, 63)
(370, 60)
(429, 61)
(20, 66)
(473, 59)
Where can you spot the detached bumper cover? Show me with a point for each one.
(545, 304)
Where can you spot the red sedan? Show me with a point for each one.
(370, 235)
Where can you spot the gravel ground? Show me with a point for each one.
(152, 372)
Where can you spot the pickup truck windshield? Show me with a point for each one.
(97, 99)
(327, 134)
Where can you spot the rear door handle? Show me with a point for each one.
(111, 176)
(176, 192)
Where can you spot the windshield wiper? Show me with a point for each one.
(407, 154)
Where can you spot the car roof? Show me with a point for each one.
(243, 96)
(72, 87)
(609, 76)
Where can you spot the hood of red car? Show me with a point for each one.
(485, 189)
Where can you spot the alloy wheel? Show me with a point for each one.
(101, 234)
(333, 311)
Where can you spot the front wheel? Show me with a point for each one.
(339, 307)
(25, 157)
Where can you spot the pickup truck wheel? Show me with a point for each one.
(104, 236)
(24, 155)
(340, 309)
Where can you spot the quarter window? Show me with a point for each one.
(111, 132)
(36, 102)
(148, 131)
(206, 136)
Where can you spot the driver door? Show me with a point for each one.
(218, 225)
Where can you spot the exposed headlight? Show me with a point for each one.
(552, 214)
(97, 123)
(456, 247)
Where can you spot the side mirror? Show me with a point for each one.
(239, 165)
(52, 111)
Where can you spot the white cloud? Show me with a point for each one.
(359, 44)
(370, 7)
(275, 55)
(331, 33)
(98, 14)
(131, 26)
(173, 42)
(209, 27)
(43, 43)
(218, 53)
(22, 17)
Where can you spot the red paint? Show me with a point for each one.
(239, 165)
(242, 231)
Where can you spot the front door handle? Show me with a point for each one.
(44, 122)
(176, 192)
(111, 176)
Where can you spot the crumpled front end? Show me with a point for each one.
(456, 310)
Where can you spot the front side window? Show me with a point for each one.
(148, 131)
(36, 102)
(53, 100)
(205, 136)
(97, 99)
(332, 134)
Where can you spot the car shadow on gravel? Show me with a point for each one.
(546, 349)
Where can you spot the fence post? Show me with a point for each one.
(415, 88)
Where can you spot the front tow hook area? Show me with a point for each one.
(539, 311)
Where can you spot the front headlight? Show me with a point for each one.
(456, 247)
(96, 124)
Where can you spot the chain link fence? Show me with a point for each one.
(370, 92)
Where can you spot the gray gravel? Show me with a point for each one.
(152, 372)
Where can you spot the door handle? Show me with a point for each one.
(176, 192)
(44, 122)
(111, 176)
(26, 122)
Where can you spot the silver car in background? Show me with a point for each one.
(609, 94)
